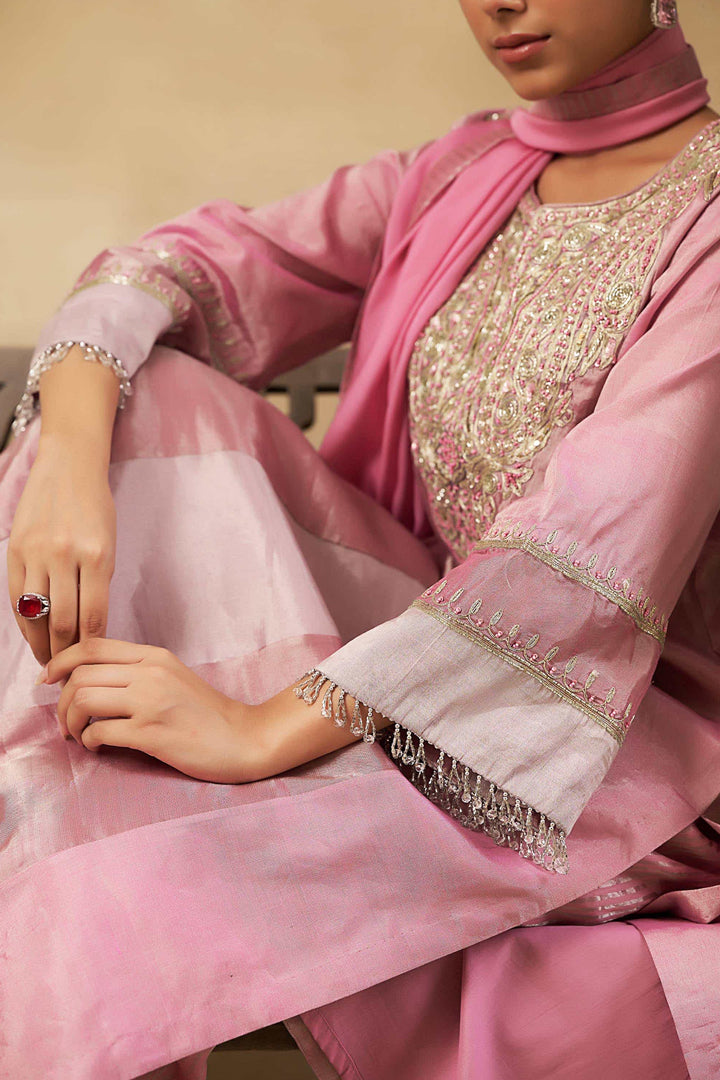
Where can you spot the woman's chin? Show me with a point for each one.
(539, 85)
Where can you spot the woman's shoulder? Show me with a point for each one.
(443, 159)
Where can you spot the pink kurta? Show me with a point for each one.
(148, 916)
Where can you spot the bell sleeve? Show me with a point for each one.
(253, 292)
(511, 684)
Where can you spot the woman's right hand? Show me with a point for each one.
(62, 544)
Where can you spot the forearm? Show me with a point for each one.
(78, 404)
(294, 732)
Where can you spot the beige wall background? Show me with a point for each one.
(118, 115)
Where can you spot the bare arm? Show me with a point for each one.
(78, 402)
(62, 542)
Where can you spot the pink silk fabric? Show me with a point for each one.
(147, 916)
(652, 86)
(192, 912)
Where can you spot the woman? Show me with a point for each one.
(526, 438)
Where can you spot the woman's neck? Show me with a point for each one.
(605, 174)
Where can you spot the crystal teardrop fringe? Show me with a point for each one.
(408, 757)
(454, 784)
(369, 731)
(308, 688)
(395, 748)
(504, 817)
(53, 354)
(356, 724)
(439, 774)
(469, 797)
(664, 14)
(326, 709)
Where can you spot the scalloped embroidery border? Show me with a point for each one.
(640, 607)
(506, 645)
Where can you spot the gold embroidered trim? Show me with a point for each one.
(225, 338)
(466, 795)
(620, 592)
(507, 645)
(188, 284)
(152, 282)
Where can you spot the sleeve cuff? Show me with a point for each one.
(119, 319)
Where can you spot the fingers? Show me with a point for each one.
(101, 701)
(116, 732)
(36, 630)
(89, 675)
(16, 583)
(94, 592)
(103, 651)
(69, 620)
(62, 620)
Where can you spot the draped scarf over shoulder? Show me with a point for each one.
(513, 681)
(489, 162)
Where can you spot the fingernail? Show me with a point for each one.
(42, 677)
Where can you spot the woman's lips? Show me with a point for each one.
(515, 48)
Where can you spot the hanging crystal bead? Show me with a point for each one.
(369, 729)
(408, 756)
(326, 709)
(440, 775)
(356, 724)
(454, 784)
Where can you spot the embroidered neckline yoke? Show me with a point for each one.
(548, 302)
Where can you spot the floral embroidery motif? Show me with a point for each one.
(551, 300)
(527, 657)
(619, 591)
(466, 795)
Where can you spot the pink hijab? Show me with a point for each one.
(452, 202)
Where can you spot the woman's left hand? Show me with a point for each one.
(146, 699)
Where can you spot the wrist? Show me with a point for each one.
(290, 732)
(78, 399)
(85, 451)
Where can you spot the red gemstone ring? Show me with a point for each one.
(32, 605)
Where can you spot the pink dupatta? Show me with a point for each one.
(582, 665)
(430, 241)
(399, 234)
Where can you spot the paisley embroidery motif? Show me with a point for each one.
(549, 301)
